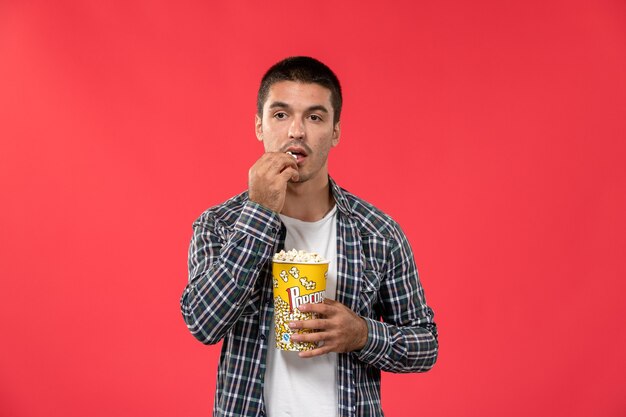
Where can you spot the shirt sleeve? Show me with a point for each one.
(406, 338)
(223, 268)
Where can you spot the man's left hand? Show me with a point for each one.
(340, 328)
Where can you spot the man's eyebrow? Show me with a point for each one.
(318, 107)
(280, 104)
(283, 105)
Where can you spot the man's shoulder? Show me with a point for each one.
(369, 218)
(226, 212)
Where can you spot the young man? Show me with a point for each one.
(292, 203)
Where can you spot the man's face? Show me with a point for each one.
(298, 117)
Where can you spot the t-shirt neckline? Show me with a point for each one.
(328, 215)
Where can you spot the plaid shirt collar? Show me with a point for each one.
(340, 198)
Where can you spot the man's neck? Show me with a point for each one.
(308, 201)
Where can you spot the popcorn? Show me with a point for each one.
(309, 285)
(299, 277)
(282, 317)
(294, 272)
(299, 256)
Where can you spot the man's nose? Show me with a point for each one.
(296, 130)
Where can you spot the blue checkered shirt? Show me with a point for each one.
(229, 297)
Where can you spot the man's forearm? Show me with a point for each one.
(222, 275)
(400, 348)
(406, 339)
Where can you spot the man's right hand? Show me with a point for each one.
(268, 178)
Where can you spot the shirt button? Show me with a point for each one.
(262, 337)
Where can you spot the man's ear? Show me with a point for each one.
(258, 127)
(336, 133)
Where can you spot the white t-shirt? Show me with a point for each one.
(294, 386)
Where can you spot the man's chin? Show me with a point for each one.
(300, 180)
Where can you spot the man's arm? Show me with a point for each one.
(223, 271)
(222, 274)
(406, 339)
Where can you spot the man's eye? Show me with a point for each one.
(280, 115)
(315, 118)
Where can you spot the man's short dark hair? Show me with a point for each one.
(302, 69)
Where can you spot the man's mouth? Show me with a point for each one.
(297, 153)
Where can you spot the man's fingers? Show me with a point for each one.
(324, 309)
(290, 174)
(314, 337)
(278, 161)
(309, 324)
(268, 178)
(315, 352)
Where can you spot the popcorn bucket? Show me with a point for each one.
(296, 283)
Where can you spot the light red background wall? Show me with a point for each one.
(492, 131)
